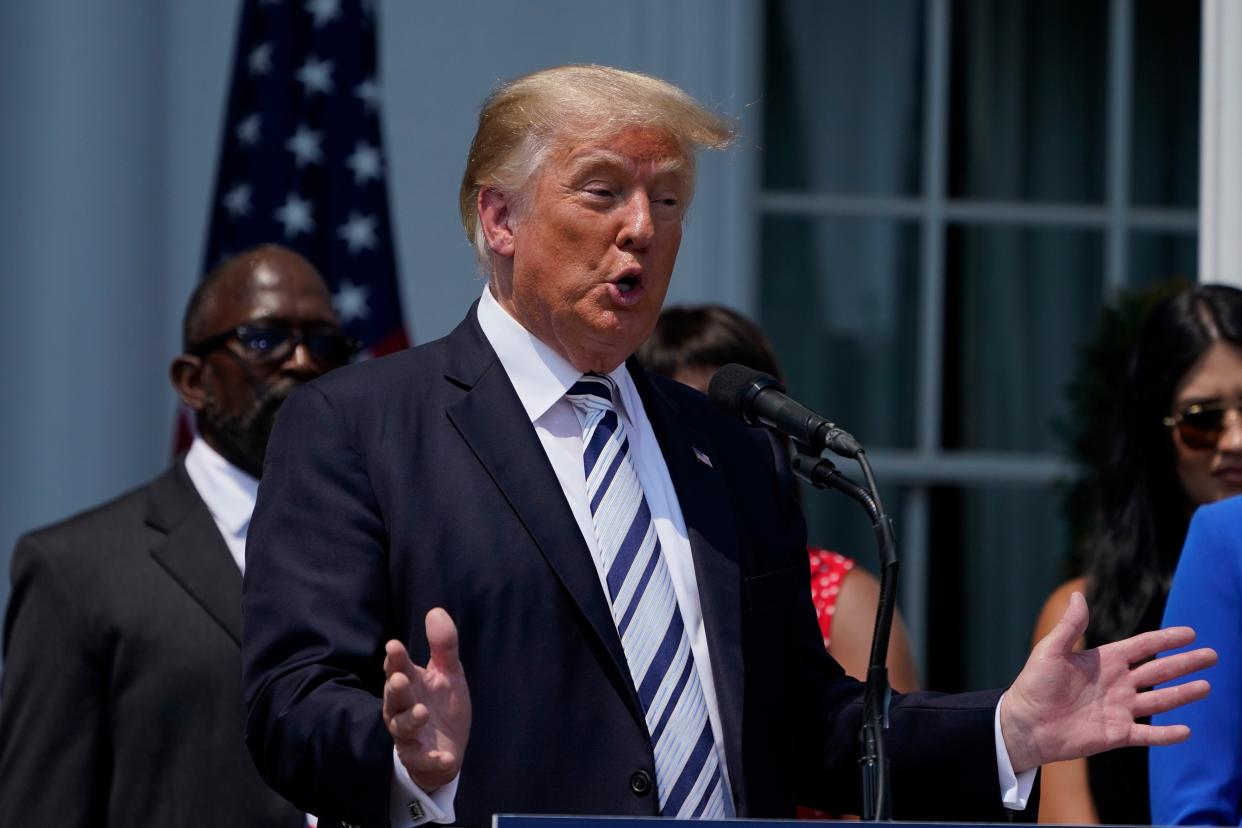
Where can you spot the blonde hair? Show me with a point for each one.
(523, 119)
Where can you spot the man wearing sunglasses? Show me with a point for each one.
(121, 697)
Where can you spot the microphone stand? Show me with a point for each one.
(821, 473)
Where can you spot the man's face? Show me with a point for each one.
(242, 387)
(594, 248)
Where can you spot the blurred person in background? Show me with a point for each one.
(121, 700)
(688, 345)
(1175, 446)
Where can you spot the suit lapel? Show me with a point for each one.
(192, 551)
(491, 420)
(701, 491)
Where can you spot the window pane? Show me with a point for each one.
(1163, 257)
(996, 554)
(843, 111)
(1164, 154)
(1028, 100)
(1018, 305)
(839, 299)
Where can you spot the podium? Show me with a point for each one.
(568, 821)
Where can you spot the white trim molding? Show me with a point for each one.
(1220, 160)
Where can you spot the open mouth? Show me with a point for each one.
(628, 289)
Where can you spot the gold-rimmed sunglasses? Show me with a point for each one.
(1200, 425)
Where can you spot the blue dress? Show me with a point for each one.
(1199, 782)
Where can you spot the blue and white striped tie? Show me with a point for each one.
(644, 608)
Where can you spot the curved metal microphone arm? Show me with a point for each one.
(821, 473)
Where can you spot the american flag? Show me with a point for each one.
(302, 160)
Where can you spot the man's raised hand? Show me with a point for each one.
(427, 709)
(1066, 704)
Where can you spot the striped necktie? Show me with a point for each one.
(644, 608)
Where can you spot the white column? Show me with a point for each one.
(1220, 155)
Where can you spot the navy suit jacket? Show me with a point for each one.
(417, 481)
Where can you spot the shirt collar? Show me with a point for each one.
(539, 374)
(227, 490)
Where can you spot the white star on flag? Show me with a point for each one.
(260, 59)
(295, 215)
(365, 162)
(358, 232)
(368, 93)
(324, 11)
(248, 129)
(237, 200)
(316, 75)
(350, 302)
(305, 146)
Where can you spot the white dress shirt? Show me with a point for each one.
(228, 492)
(541, 376)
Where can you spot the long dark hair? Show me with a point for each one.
(1142, 511)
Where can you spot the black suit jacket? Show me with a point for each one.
(121, 697)
(417, 481)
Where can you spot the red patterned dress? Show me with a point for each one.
(828, 570)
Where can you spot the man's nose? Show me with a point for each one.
(637, 229)
(300, 361)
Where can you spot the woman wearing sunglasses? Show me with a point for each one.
(1177, 444)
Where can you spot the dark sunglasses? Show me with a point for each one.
(275, 343)
(1201, 425)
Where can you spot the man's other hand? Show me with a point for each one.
(427, 709)
(1066, 704)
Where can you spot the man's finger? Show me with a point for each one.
(1172, 667)
(1145, 645)
(442, 640)
(398, 695)
(1156, 735)
(1070, 627)
(405, 725)
(397, 659)
(1167, 698)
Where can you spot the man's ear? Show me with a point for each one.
(496, 219)
(186, 373)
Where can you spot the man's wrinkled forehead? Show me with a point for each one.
(635, 150)
(647, 162)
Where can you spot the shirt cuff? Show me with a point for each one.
(1015, 788)
(410, 805)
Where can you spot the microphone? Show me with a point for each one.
(760, 400)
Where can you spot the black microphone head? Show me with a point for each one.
(734, 387)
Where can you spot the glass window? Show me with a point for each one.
(1028, 100)
(1164, 156)
(1019, 302)
(995, 558)
(839, 300)
(844, 108)
(1162, 257)
(943, 328)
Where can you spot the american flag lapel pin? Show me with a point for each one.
(702, 458)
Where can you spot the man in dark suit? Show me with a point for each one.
(121, 697)
(617, 569)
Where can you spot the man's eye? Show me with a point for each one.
(602, 192)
